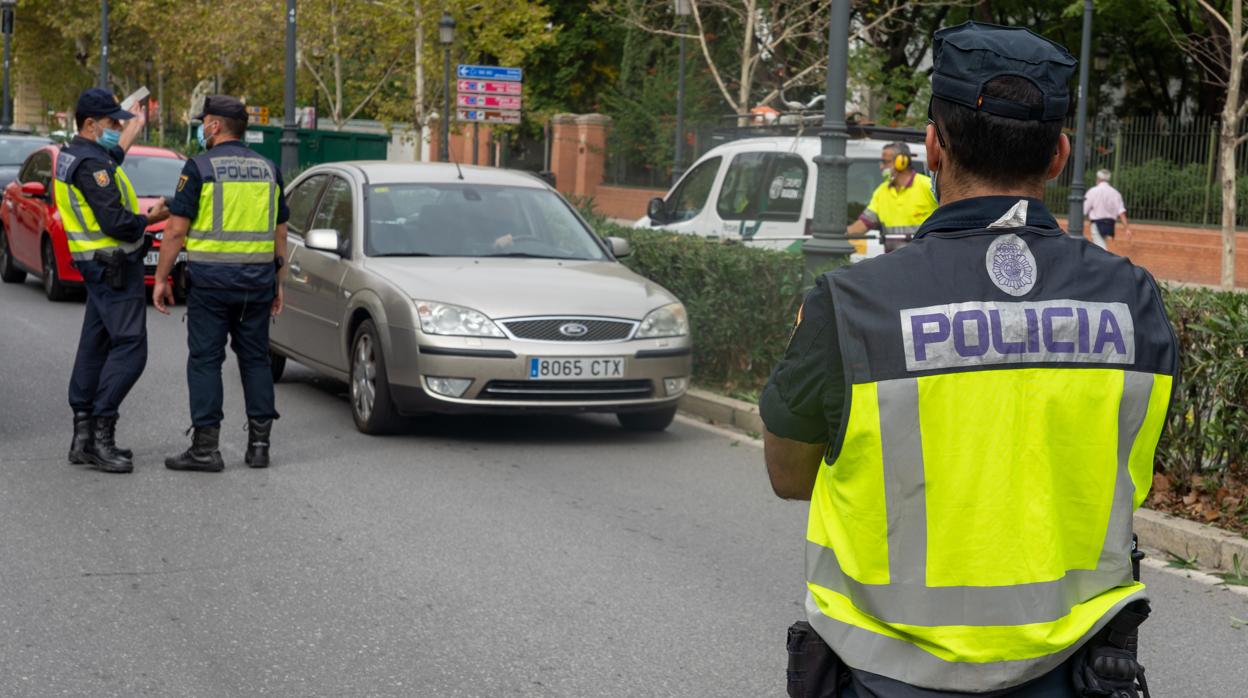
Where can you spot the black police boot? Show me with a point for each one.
(82, 439)
(258, 431)
(202, 455)
(102, 454)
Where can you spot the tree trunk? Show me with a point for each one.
(747, 57)
(418, 101)
(1230, 129)
(337, 99)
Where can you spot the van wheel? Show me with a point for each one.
(371, 407)
(9, 273)
(52, 286)
(652, 420)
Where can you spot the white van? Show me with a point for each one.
(761, 191)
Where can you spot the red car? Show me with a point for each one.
(32, 239)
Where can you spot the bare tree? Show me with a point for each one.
(1221, 54)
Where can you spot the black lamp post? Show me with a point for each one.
(104, 44)
(446, 37)
(829, 242)
(290, 133)
(1074, 220)
(683, 9)
(6, 24)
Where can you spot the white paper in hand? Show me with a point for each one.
(132, 100)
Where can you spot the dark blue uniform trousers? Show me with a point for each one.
(212, 314)
(112, 350)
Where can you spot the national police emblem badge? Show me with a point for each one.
(1011, 266)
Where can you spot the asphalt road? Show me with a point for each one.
(468, 557)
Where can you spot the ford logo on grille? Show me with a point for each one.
(573, 329)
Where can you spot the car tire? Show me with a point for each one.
(371, 406)
(277, 364)
(650, 420)
(179, 286)
(9, 273)
(52, 286)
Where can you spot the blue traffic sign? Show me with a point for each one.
(489, 72)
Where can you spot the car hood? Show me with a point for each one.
(146, 202)
(504, 288)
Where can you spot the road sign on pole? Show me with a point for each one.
(489, 101)
(489, 116)
(488, 72)
(489, 87)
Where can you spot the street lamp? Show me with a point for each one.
(446, 37)
(104, 44)
(6, 25)
(1074, 218)
(828, 229)
(290, 134)
(683, 9)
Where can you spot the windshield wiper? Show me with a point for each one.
(405, 254)
(527, 255)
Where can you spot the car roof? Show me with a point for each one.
(25, 137)
(381, 172)
(856, 148)
(142, 150)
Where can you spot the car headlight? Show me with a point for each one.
(454, 320)
(668, 321)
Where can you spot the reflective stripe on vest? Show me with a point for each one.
(82, 230)
(974, 527)
(237, 212)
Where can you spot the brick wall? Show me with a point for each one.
(1176, 253)
(628, 203)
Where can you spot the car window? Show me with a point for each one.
(302, 202)
(153, 175)
(41, 169)
(14, 150)
(864, 177)
(786, 187)
(474, 220)
(692, 192)
(741, 196)
(27, 173)
(334, 212)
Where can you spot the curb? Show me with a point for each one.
(1212, 548)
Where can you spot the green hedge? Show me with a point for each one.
(742, 302)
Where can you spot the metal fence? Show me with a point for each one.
(1166, 170)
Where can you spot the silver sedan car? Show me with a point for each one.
(435, 289)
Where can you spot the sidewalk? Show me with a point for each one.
(1211, 548)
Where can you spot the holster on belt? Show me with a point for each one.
(114, 264)
(814, 669)
(1108, 665)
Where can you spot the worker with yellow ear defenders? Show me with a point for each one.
(900, 204)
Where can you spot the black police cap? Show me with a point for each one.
(970, 55)
(224, 106)
(97, 102)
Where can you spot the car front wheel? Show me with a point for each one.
(9, 273)
(650, 420)
(52, 286)
(371, 406)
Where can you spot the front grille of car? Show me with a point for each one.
(565, 329)
(568, 391)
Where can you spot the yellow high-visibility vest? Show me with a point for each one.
(972, 526)
(237, 210)
(82, 229)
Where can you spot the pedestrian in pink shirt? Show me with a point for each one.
(1103, 206)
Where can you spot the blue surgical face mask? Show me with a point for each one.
(199, 136)
(109, 138)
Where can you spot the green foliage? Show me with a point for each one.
(741, 300)
(1207, 431)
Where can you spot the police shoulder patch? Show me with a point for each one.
(101, 178)
(181, 182)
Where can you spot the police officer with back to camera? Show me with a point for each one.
(230, 212)
(107, 241)
(973, 419)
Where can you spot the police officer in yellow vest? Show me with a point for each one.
(973, 418)
(231, 213)
(902, 201)
(106, 235)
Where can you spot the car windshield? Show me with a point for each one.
(472, 220)
(14, 150)
(153, 175)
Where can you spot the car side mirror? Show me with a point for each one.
(657, 210)
(323, 239)
(35, 190)
(620, 247)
